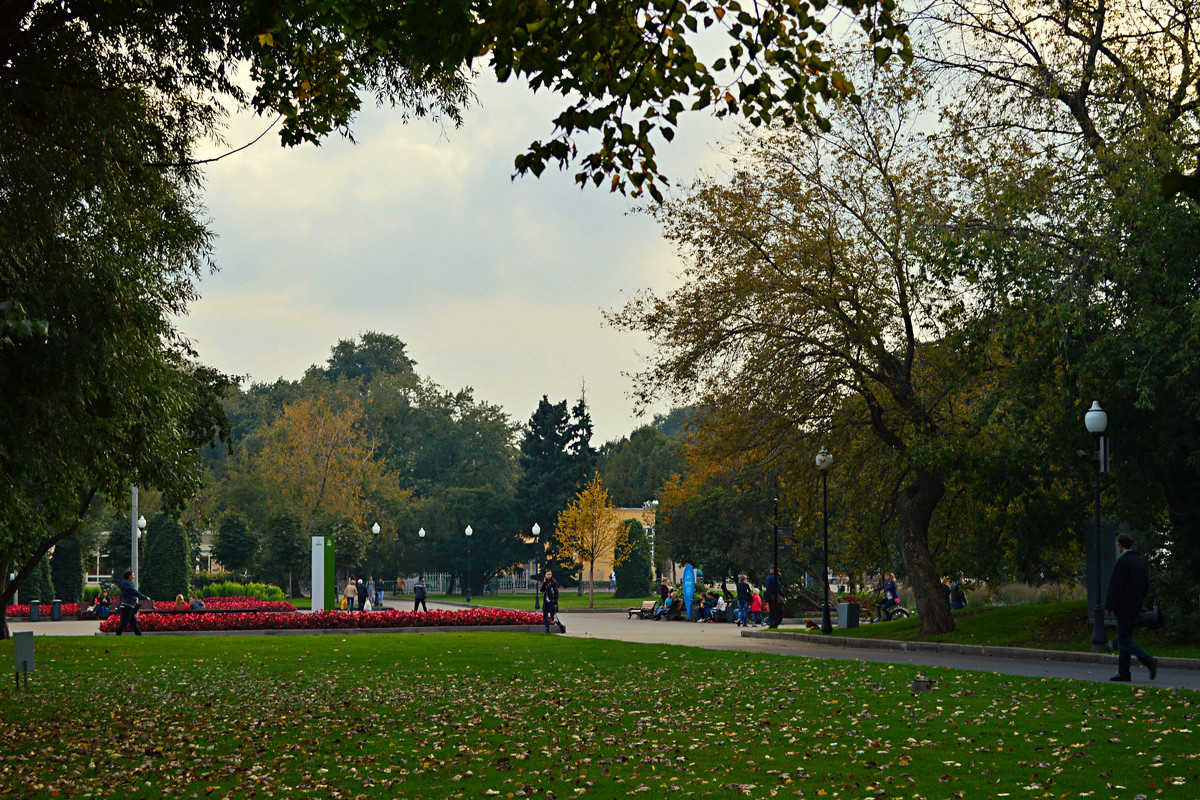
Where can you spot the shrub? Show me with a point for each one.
(165, 569)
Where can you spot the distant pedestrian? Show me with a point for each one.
(774, 590)
(371, 595)
(664, 589)
(549, 590)
(756, 606)
(612, 581)
(958, 597)
(419, 593)
(1127, 590)
(743, 601)
(351, 595)
(362, 594)
(129, 605)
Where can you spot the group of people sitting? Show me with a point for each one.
(709, 606)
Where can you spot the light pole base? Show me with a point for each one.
(1099, 637)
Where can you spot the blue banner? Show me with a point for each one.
(689, 588)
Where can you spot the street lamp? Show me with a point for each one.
(467, 583)
(824, 462)
(137, 543)
(537, 573)
(375, 584)
(1096, 421)
(652, 505)
(421, 555)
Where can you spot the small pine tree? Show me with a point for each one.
(634, 576)
(165, 559)
(66, 570)
(39, 585)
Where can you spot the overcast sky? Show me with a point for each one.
(419, 232)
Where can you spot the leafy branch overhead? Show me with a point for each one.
(627, 70)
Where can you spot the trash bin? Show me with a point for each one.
(848, 615)
(35, 611)
(56, 610)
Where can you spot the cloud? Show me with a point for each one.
(421, 232)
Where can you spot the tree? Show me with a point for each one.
(556, 458)
(1091, 276)
(635, 468)
(627, 71)
(40, 583)
(587, 529)
(165, 563)
(103, 248)
(814, 277)
(635, 574)
(235, 545)
(287, 553)
(66, 569)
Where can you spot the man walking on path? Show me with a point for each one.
(1127, 590)
(743, 601)
(419, 594)
(774, 590)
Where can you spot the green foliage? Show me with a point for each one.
(67, 569)
(40, 584)
(234, 545)
(234, 589)
(635, 574)
(556, 458)
(165, 565)
(635, 468)
(287, 550)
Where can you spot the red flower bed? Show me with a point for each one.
(243, 603)
(326, 620)
(68, 609)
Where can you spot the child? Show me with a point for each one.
(756, 608)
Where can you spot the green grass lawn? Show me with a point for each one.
(1047, 626)
(525, 715)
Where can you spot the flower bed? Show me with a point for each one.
(68, 610)
(329, 620)
(214, 603)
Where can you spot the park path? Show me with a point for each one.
(720, 636)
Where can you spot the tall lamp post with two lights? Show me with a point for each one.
(824, 462)
(467, 583)
(537, 572)
(1096, 422)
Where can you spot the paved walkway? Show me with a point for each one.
(1174, 673)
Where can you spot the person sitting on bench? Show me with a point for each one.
(665, 610)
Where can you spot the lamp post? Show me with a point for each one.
(138, 532)
(467, 582)
(421, 554)
(824, 462)
(375, 584)
(537, 572)
(1096, 421)
(652, 505)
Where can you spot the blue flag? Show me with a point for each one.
(689, 587)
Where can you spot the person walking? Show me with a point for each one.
(774, 590)
(129, 605)
(549, 590)
(958, 598)
(419, 594)
(1127, 590)
(351, 594)
(362, 594)
(743, 601)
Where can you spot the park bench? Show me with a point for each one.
(645, 611)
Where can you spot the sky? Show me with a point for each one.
(419, 231)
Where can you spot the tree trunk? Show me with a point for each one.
(915, 505)
(592, 584)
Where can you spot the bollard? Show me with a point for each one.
(35, 611)
(56, 610)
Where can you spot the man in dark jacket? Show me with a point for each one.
(1127, 590)
(774, 590)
